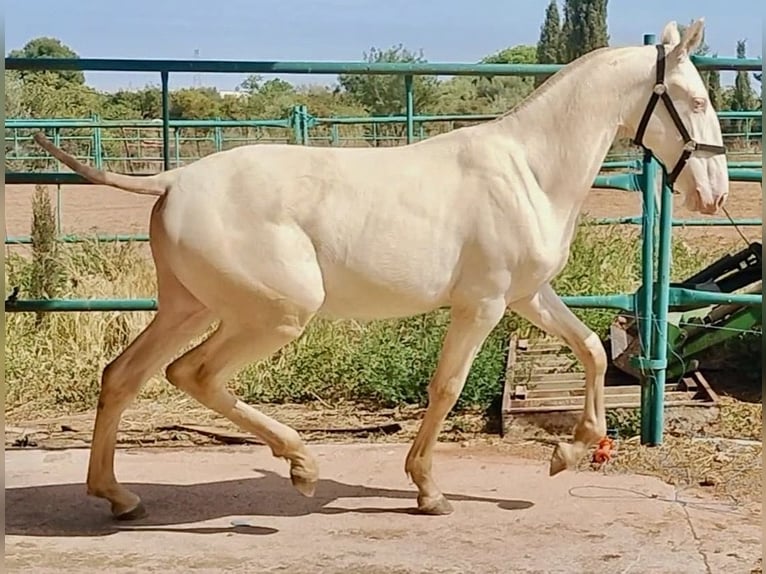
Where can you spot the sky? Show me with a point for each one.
(445, 30)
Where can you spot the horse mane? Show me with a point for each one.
(552, 81)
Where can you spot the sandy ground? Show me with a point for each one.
(233, 510)
(88, 208)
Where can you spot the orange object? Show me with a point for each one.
(604, 451)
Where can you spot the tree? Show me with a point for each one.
(384, 94)
(549, 44)
(14, 95)
(743, 98)
(466, 95)
(145, 103)
(584, 28)
(47, 47)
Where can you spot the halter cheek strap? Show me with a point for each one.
(660, 91)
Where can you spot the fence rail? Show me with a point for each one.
(651, 302)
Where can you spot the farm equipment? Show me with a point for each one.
(693, 330)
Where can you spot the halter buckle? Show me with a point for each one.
(660, 89)
(690, 146)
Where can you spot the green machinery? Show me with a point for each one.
(695, 329)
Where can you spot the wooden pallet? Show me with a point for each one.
(542, 377)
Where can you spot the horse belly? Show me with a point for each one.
(380, 292)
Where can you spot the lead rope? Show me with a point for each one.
(742, 235)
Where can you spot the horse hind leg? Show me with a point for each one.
(179, 319)
(203, 372)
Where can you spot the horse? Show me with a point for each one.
(258, 240)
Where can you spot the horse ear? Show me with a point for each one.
(690, 41)
(670, 35)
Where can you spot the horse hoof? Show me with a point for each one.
(562, 458)
(135, 513)
(306, 486)
(439, 507)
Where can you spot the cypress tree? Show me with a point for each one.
(549, 44)
(743, 98)
(584, 28)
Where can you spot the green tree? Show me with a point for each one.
(549, 44)
(47, 47)
(384, 94)
(14, 95)
(584, 28)
(742, 97)
(145, 103)
(465, 95)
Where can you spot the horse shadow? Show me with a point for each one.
(64, 510)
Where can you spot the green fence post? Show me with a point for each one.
(218, 137)
(166, 121)
(334, 134)
(295, 120)
(410, 103)
(97, 156)
(660, 331)
(305, 124)
(644, 303)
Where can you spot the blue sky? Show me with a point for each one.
(446, 30)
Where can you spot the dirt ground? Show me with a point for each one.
(233, 510)
(87, 208)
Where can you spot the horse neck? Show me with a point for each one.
(567, 127)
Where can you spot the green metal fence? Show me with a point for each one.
(650, 303)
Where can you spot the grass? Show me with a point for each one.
(53, 362)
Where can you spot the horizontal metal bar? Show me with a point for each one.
(739, 114)
(618, 301)
(730, 64)
(274, 67)
(39, 123)
(679, 222)
(73, 305)
(739, 174)
(746, 165)
(31, 123)
(119, 238)
(623, 181)
(338, 67)
(680, 296)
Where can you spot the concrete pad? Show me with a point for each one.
(234, 510)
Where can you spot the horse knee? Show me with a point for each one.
(444, 390)
(594, 355)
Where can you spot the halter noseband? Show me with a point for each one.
(690, 145)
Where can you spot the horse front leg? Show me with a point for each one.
(469, 328)
(547, 311)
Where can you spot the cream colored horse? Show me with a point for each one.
(265, 237)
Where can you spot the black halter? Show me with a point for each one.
(690, 146)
